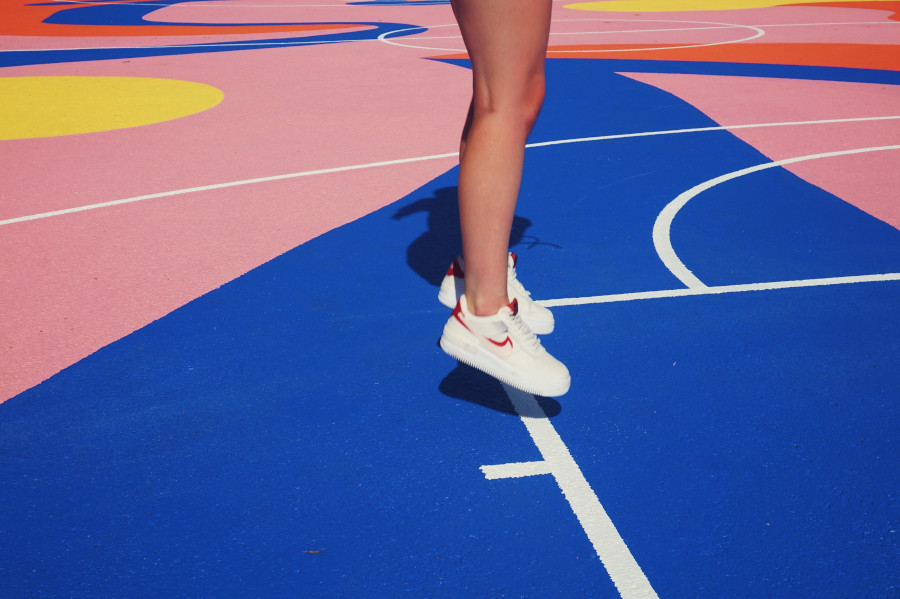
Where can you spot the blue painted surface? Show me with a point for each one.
(298, 432)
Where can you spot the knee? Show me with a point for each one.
(533, 100)
(519, 104)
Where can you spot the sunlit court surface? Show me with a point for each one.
(223, 224)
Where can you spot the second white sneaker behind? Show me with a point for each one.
(538, 318)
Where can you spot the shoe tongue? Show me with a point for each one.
(514, 306)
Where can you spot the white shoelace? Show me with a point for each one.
(521, 330)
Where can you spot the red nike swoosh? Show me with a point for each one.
(505, 341)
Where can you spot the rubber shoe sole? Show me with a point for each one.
(486, 362)
(503, 347)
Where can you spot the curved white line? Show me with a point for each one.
(383, 36)
(166, 194)
(758, 28)
(757, 33)
(662, 227)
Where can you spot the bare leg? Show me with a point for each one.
(507, 43)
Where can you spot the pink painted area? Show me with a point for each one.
(867, 181)
(783, 24)
(266, 12)
(284, 112)
(823, 24)
(23, 42)
(81, 281)
(75, 283)
(787, 24)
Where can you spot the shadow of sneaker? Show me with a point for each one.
(468, 384)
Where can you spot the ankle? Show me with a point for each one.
(484, 305)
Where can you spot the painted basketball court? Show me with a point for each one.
(223, 225)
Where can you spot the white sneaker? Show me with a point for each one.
(504, 347)
(538, 318)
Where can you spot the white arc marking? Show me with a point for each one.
(621, 566)
(662, 227)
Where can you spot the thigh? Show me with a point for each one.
(506, 41)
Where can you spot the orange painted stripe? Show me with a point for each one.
(858, 56)
(17, 17)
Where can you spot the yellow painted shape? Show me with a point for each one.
(53, 106)
(689, 5)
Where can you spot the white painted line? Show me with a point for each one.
(667, 293)
(516, 470)
(756, 34)
(232, 44)
(662, 227)
(621, 566)
(167, 194)
(543, 144)
(837, 24)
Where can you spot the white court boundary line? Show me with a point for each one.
(757, 34)
(760, 29)
(620, 564)
(235, 44)
(216, 186)
(341, 169)
(662, 228)
(617, 559)
(719, 289)
(254, 44)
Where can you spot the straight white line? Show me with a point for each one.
(235, 44)
(830, 24)
(609, 32)
(621, 566)
(716, 290)
(515, 470)
(708, 129)
(177, 192)
(167, 194)
(757, 34)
